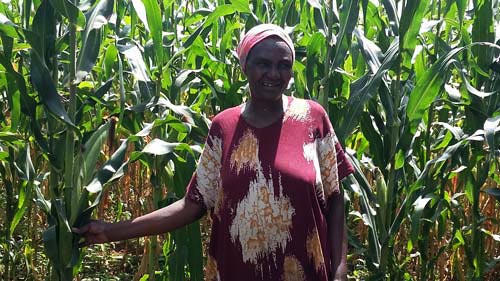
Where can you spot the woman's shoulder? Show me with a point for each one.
(227, 116)
(313, 108)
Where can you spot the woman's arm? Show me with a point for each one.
(338, 234)
(160, 221)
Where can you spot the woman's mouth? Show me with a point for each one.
(271, 85)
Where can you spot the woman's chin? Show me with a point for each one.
(268, 94)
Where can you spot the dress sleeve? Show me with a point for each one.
(333, 163)
(205, 183)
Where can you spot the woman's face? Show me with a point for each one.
(269, 69)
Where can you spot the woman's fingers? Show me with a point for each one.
(91, 233)
(80, 230)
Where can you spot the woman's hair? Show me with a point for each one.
(258, 33)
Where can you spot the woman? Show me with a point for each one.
(269, 175)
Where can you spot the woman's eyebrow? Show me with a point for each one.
(262, 59)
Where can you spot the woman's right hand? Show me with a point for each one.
(95, 232)
(174, 216)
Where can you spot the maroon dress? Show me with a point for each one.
(268, 190)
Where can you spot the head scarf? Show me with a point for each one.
(258, 33)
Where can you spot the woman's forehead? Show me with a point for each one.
(269, 47)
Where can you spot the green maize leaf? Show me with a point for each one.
(188, 115)
(140, 10)
(112, 169)
(459, 65)
(472, 89)
(202, 31)
(383, 210)
(91, 38)
(8, 28)
(226, 42)
(319, 16)
(42, 37)
(41, 202)
(92, 151)
(190, 236)
(10, 137)
(493, 191)
(153, 13)
(374, 139)
(428, 88)
(371, 52)
(391, 10)
(461, 6)
(495, 237)
(470, 188)
(483, 30)
(419, 206)
(492, 126)
(24, 165)
(102, 90)
(349, 14)
(49, 237)
(177, 261)
(28, 104)
(429, 85)
(60, 214)
(242, 6)
(70, 11)
(146, 130)
(448, 153)
(182, 174)
(212, 46)
(459, 239)
(184, 77)
(15, 104)
(411, 19)
(95, 98)
(197, 16)
(366, 196)
(363, 89)
(195, 255)
(315, 4)
(314, 49)
(401, 215)
(42, 81)
(428, 25)
(159, 147)
(110, 59)
(173, 122)
(220, 11)
(135, 60)
(58, 240)
(258, 9)
(8, 45)
(457, 132)
(23, 203)
(4, 156)
(332, 11)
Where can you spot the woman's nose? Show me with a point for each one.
(274, 72)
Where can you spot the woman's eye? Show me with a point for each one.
(285, 66)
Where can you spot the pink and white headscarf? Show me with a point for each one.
(257, 34)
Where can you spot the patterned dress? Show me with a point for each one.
(268, 190)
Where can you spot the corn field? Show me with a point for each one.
(105, 105)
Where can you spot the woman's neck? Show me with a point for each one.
(263, 113)
(265, 107)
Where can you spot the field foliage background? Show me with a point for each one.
(105, 105)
